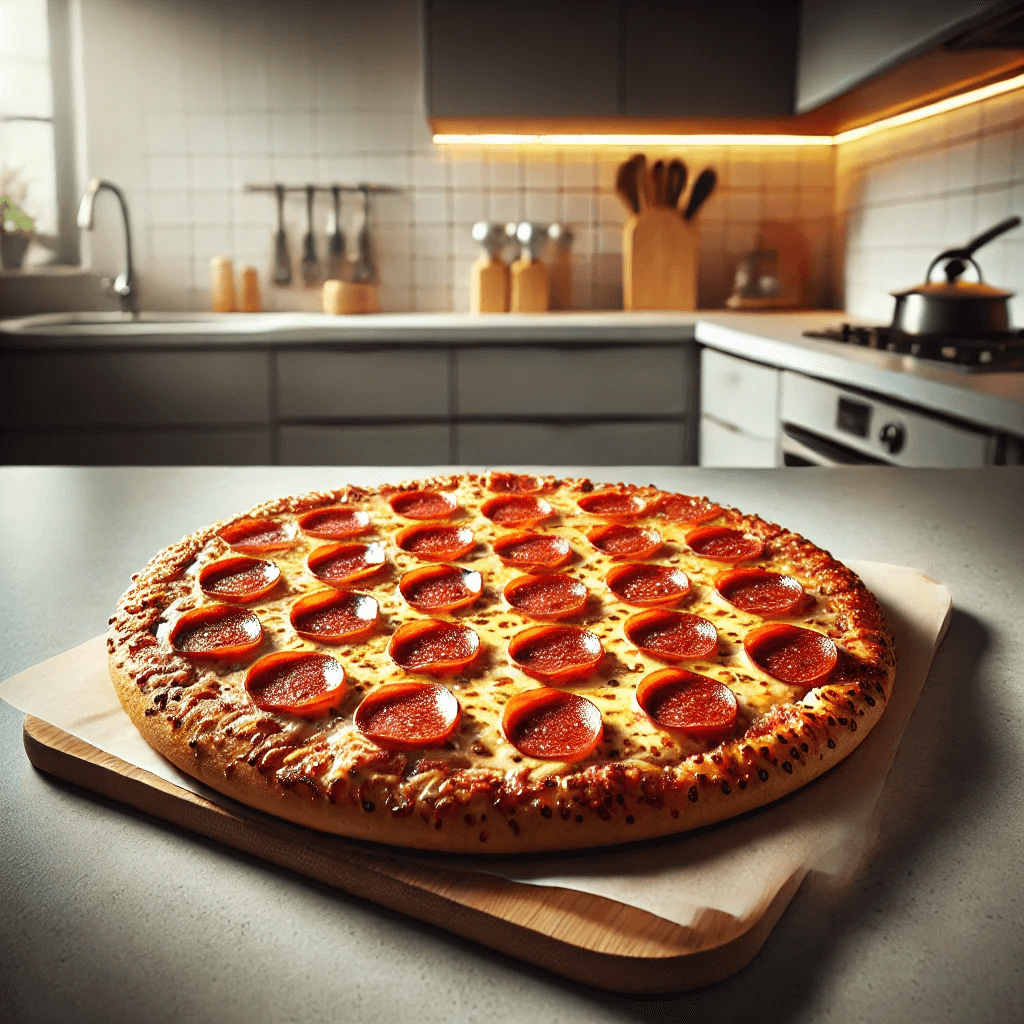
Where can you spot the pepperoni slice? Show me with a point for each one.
(556, 654)
(792, 654)
(547, 597)
(514, 483)
(760, 592)
(552, 724)
(622, 541)
(645, 585)
(335, 617)
(256, 535)
(296, 682)
(671, 636)
(217, 633)
(408, 716)
(675, 698)
(423, 504)
(337, 565)
(241, 578)
(335, 523)
(441, 588)
(681, 508)
(436, 543)
(516, 510)
(533, 551)
(723, 544)
(435, 647)
(616, 505)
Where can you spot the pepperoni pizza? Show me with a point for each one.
(500, 663)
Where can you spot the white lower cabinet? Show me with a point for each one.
(596, 444)
(364, 445)
(723, 445)
(739, 406)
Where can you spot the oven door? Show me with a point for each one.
(823, 424)
(802, 448)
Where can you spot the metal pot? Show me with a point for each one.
(954, 307)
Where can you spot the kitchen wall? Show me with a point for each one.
(905, 194)
(185, 103)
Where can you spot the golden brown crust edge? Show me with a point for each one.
(778, 754)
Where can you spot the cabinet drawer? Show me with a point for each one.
(379, 384)
(588, 444)
(129, 388)
(77, 447)
(740, 393)
(384, 445)
(725, 446)
(534, 381)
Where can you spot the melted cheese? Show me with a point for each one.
(629, 735)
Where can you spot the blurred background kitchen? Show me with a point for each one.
(183, 105)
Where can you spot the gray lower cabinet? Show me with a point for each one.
(161, 447)
(397, 404)
(593, 443)
(364, 445)
(365, 384)
(630, 380)
(131, 388)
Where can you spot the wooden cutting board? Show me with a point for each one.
(582, 936)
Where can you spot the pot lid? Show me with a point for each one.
(968, 291)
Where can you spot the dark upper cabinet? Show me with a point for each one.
(525, 58)
(845, 42)
(843, 62)
(709, 58)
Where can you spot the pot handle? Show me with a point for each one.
(956, 257)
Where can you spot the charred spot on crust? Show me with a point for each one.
(726, 788)
(692, 794)
(514, 826)
(762, 774)
(545, 811)
(831, 743)
(630, 819)
(787, 766)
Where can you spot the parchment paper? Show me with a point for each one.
(828, 826)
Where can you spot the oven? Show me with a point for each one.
(825, 424)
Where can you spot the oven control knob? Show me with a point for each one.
(893, 437)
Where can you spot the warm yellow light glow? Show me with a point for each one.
(632, 140)
(562, 141)
(940, 107)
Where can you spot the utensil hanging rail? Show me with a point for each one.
(372, 189)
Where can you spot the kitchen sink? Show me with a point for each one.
(138, 323)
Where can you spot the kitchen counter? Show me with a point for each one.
(993, 400)
(110, 915)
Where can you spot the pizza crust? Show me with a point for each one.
(481, 795)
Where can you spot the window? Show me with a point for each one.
(33, 125)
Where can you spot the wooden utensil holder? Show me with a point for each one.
(659, 261)
(345, 297)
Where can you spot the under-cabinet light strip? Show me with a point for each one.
(910, 116)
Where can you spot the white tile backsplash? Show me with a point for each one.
(909, 192)
(213, 95)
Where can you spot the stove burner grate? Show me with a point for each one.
(999, 351)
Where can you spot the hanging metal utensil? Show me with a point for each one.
(282, 263)
(363, 271)
(311, 272)
(335, 239)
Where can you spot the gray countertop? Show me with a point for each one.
(109, 915)
(993, 400)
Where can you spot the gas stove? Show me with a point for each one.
(1002, 351)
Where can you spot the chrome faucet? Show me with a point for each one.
(124, 283)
